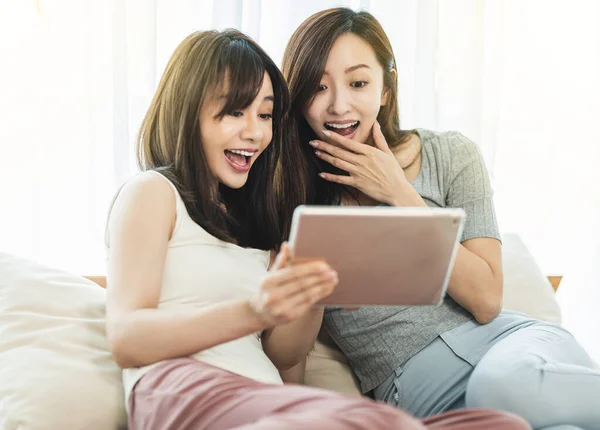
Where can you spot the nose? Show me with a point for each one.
(252, 130)
(339, 102)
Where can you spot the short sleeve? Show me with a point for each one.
(470, 189)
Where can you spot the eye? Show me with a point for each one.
(236, 114)
(266, 116)
(321, 88)
(359, 84)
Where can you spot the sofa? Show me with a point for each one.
(56, 371)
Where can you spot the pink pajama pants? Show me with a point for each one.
(186, 394)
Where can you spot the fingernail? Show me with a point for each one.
(313, 143)
(326, 133)
(322, 175)
(317, 153)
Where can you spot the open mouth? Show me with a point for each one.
(343, 129)
(239, 159)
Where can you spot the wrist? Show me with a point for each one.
(407, 196)
(253, 317)
(317, 312)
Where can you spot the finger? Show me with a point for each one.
(379, 138)
(336, 151)
(344, 180)
(344, 142)
(294, 272)
(336, 162)
(299, 303)
(351, 308)
(282, 257)
(299, 286)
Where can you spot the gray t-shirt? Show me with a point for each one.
(379, 340)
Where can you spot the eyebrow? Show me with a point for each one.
(352, 68)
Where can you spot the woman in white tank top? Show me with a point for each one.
(196, 318)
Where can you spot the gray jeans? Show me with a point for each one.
(534, 369)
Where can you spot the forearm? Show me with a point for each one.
(407, 196)
(146, 336)
(294, 375)
(475, 286)
(288, 344)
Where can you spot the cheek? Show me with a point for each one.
(314, 114)
(268, 133)
(214, 136)
(370, 103)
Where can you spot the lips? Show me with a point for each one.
(344, 128)
(239, 159)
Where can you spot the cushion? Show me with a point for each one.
(56, 371)
(327, 367)
(526, 289)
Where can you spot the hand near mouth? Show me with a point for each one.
(372, 170)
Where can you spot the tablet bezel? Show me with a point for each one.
(456, 215)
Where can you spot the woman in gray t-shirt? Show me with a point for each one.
(342, 75)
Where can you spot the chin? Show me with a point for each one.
(235, 182)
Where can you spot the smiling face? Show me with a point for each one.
(232, 143)
(350, 93)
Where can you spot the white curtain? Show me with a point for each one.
(520, 77)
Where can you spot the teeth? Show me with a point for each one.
(240, 152)
(338, 126)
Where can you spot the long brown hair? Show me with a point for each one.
(304, 62)
(169, 139)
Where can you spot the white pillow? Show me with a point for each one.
(56, 371)
(526, 289)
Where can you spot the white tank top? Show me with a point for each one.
(201, 270)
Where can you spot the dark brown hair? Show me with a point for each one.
(304, 62)
(169, 140)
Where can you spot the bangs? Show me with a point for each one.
(240, 76)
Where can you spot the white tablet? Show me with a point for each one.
(383, 255)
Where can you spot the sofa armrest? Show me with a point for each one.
(555, 281)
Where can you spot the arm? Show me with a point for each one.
(288, 344)
(476, 281)
(140, 225)
(295, 375)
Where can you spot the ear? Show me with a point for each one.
(385, 95)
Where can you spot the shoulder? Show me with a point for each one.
(148, 197)
(449, 143)
(452, 151)
(148, 188)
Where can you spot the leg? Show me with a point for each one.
(433, 381)
(185, 394)
(476, 419)
(457, 420)
(541, 373)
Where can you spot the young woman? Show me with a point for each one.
(199, 325)
(341, 72)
